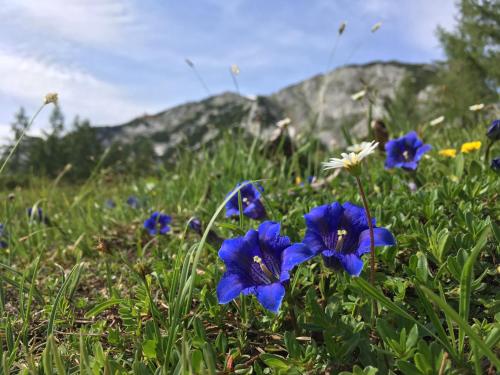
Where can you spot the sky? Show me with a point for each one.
(113, 60)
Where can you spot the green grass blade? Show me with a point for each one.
(384, 301)
(474, 337)
(74, 271)
(466, 279)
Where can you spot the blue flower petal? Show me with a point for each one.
(293, 256)
(382, 237)
(410, 165)
(230, 286)
(270, 238)
(255, 210)
(238, 253)
(231, 211)
(351, 263)
(314, 241)
(164, 229)
(320, 222)
(270, 296)
(422, 150)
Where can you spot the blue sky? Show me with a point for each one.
(112, 60)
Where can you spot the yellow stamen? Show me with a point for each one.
(341, 234)
(257, 259)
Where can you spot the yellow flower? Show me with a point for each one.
(298, 180)
(448, 152)
(470, 146)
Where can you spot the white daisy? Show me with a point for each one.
(352, 159)
(358, 147)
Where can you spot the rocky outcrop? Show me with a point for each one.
(320, 106)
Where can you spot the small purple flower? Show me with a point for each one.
(157, 223)
(133, 202)
(340, 234)
(495, 164)
(405, 152)
(259, 264)
(250, 201)
(494, 130)
(195, 225)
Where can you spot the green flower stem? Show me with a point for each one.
(370, 227)
(14, 148)
(487, 152)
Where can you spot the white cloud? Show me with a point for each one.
(418, 21)
(90, 22)
(26, 80)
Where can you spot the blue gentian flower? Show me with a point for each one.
(110, 203)
(133, 202)
(405, 152)
(157, 223)
(340, 234)
(250, 201)
(195, 224)
(495, 164)
(494, 130)
(3, 244)
(37, 216)
(259, 263)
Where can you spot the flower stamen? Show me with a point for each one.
(257, 259)
(341, 235)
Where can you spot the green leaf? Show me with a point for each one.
(100, 307)
(149, 349)
(383, 300)
(466, 279)
(474, 337)
(275, 361)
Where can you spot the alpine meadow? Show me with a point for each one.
(346, 224)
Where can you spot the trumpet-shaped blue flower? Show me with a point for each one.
(110, 203)
(494, 130)
(157, 223)
(38, 215)
(3, 243)
(250, 202)
(259, 263)
(405, 152)
(133, 202)
(195, 225)
(495, 164)
(340, 234)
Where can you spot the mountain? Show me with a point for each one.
(197, 123)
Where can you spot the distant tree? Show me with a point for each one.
(471, 73)
(55, 158)
(82, 149)
(18, 127)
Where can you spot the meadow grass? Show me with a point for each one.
(89, 291)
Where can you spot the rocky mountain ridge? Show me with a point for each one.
(320, 105)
